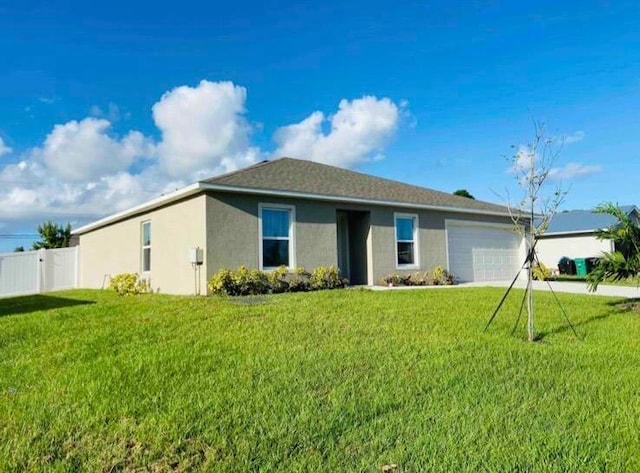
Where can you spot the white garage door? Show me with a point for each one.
(483, 253)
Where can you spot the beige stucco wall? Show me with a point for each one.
(175, 229)
(232, 233)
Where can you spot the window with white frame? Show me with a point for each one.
(276, 236)
(406, 240)
(146, 247)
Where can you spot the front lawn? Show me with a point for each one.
(608, 282)
(331, 381)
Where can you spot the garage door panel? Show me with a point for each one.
(483, 253)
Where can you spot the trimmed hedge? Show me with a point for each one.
(246, 282)
(437, 277)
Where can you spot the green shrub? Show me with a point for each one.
(243, 281)
(541, 272)
(221, 283)
(249, 282)
(299, 280)
(438, 277)
(326, 277)
(128, 284)
(442, 277)
(240, 281)
(427, 279)
(393, 279)
(415, 279)
(277, 280)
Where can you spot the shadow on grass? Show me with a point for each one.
(566, 327)
(626, 305)
(26, 304)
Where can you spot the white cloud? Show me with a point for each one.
(203, 127)
(573, 137)
(112, 112)
(523, 159)
(79, 171)
(358, 131)
(525, 156)
(83, 170)
(29, 189)
(573, 170)
(4, 149)
(80, 151)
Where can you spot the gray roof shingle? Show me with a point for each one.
(288, 174)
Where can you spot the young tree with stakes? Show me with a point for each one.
(532, 165)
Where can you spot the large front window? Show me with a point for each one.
(146, 247)
(406, 240)
(276, 228)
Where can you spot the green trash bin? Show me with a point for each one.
(581, 266)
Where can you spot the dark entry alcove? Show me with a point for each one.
(353, 230)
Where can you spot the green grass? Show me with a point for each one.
(328, 381)
(624, 282)
(609, 282)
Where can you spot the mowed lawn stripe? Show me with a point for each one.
(344, 380)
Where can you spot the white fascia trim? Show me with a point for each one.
(144, 207)
(571, 232)
(476, 223)
(203, 186)
(351, 200)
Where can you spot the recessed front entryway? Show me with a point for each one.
(353, 231)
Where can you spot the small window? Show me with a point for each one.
(406, 240)
(276, 232)
(146, 247)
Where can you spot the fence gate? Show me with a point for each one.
(32, 272)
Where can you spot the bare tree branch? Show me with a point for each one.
(533, 166)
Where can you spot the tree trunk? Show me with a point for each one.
(530, 307)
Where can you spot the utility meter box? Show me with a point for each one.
(196, 256)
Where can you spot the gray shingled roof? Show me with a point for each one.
(288, 174)
(577, 221)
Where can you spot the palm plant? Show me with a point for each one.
(624, 261)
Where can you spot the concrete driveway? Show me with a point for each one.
(570, 287)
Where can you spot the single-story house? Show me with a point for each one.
(300, 214)
(573, 234)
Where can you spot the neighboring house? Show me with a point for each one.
(300, 213)
(573, 234)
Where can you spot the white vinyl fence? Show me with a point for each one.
(32, 272)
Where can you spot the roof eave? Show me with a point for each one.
(346, 199)
(569, 232)
(203, 186)
(144, 207)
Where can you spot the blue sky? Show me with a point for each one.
(106, 104)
